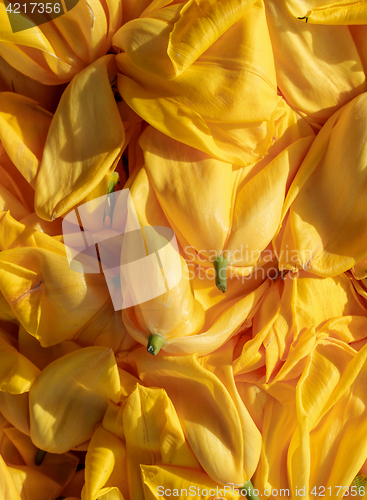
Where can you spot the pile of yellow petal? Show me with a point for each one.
(240, 126)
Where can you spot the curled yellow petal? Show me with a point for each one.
(54, 52)
(239, 127)
(7, 487)
(27, 281)
(85, 138)
(23, 143)
(329, 11)
(17, 373)
(71, 396)
(207, 413)
(327, 224)
(319, 68)
(105, 452)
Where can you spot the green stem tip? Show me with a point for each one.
(113, 181)
(248, 489)
(155, 344)
(40, 455)
(220, 266)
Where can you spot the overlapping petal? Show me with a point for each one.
(71, 396)
(28, 278)
(53, 53)
(318, 67)
(215, 435)
(210, 93)
(326, 226)
(330, 12)
(85, 138)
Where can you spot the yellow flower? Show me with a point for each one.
(293, 306)
(162, 436)
(326, 12)
(216, 423)
(17, 373)
(183, 329)
(84, 143)
(20, 473)
(319, 68)
(50, 300)
(326, 228)
(312, 415)
(331, 406)
(56, 51)
(218, 209)
(21, 151)
(70, 397)
(203, 73)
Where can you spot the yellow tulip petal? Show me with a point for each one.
(30, 347)
(330, 409)
(8, 451)
(17, 373)
(137, 8)
(237, 129)
(27, 281)
(222, 322)
(24, 144)
(32, 483)
(258, 206)
(251, 358)
(279, 424)
(110, 494)
(289, 309)
(177, 172)
(348, 328)
(202, 21)
(207, 413)
(105, 452)
(8, 490)
(85, 137)
(255, 400)
(8, 202)
(46, 96)
(318, 67)
(71, 396)
(106, 328)
(220, 363)
(15, 408)
(54, 52)
(327, 223)
(153, 435)
(14, 181)
(329, 11)
(59, 468)
(74, 488)
(360, 269)
(359, 36)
